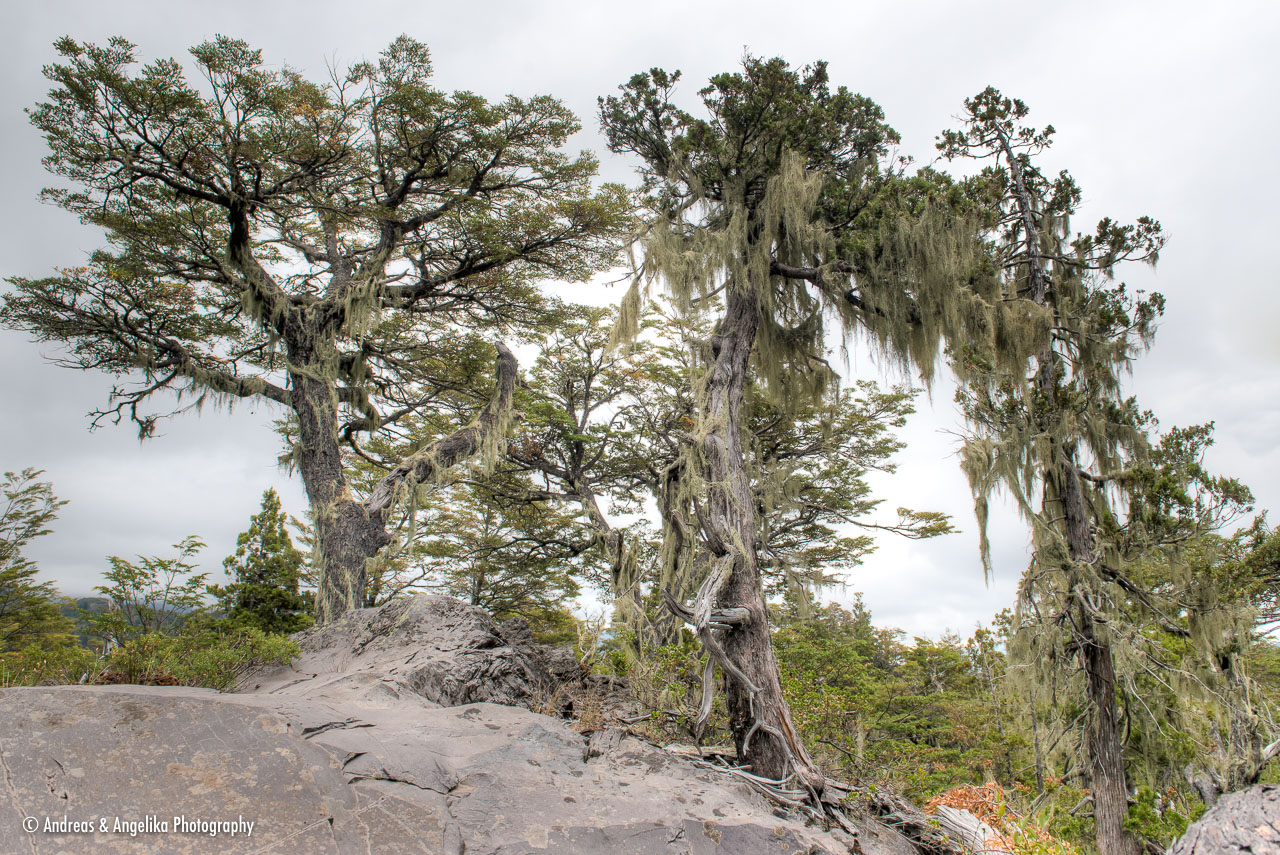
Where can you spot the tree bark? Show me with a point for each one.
(347, 536)
(350, 532)
(763, 731)
(1103, 743)
(1105, 748)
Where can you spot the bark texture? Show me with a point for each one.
(350, 532)
(763, 732)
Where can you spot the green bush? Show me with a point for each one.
(1160, 817)
(36, 664)
(213, 656)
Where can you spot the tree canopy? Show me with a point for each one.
(311, 243)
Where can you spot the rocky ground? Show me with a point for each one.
(1243, 823)
(412, 729)
(404, 729)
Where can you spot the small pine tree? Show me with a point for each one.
(29, 611)
(266, 569)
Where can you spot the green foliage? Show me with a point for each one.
(553, 625)
(667, 681)
(266, 570)
(1160, 817)
(49, 662)
(155, 632)
(785, 191)
(509, 556)
(213, 656)
(29, 610)
(155, 596)
(913, 717)
(810, 470)
(604, 426)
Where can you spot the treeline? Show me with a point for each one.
(358, 250)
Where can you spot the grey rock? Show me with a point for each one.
(1240, 823)
(435, 648)
(368, 744)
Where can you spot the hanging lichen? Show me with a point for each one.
(273, 237)
(1107, 613)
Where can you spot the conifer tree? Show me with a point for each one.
(782, 204)
(278, 239)
(266, 571)
(1050, 426)
(29, 611)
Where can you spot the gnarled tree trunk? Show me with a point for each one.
(350, 532)
(346, 535)
(763, 731)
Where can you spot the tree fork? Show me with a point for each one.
(350, 533)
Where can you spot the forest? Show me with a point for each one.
(370, 255)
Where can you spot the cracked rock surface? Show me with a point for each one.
(384, 737)
(1243, 823)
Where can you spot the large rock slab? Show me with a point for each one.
(318, 777)
(1243, 823)
(401, 729)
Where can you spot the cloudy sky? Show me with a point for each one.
(1162, 108)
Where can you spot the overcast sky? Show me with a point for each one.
(1162, 108)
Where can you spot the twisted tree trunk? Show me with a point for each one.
(763, 731)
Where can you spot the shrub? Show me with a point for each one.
(212, 656)
(36, 664)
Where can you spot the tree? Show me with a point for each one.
(598, 435)
(266, 570)
(510, 557)
(602, 431)
(29, 611)
(154, 596)
(270, 237)
(810, 467)
(1216, 581)
(1048, 418)
(780, 203)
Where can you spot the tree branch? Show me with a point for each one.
(426, 464)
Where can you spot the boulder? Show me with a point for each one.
(398, 730)
(433, 648)
(1243, 823)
